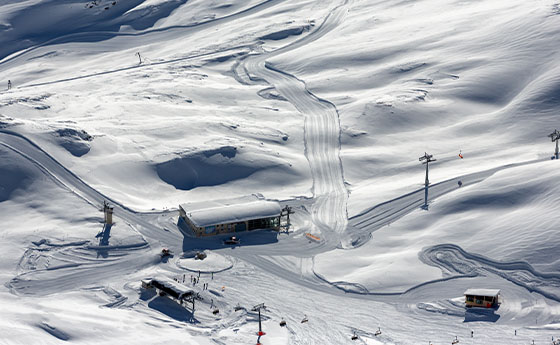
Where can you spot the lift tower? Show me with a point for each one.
(426, 159)
(258, 308)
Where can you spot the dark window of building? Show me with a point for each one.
(258, 224)
(240, 227)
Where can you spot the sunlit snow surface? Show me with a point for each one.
(325, 106)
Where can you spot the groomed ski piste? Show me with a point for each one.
(324, 106)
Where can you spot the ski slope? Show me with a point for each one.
(323, 106)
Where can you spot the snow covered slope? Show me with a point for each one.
(322, 105)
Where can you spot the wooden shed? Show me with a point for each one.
(486, 298)
(215, 217)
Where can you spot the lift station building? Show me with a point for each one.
(209, 218)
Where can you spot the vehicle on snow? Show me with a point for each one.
(232, 240)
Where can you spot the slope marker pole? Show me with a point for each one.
(554, 136)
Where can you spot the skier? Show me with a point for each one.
(9, 84)
(459, 183)
(460, 154)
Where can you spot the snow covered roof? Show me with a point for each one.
(172, 286)
(482, 292)
(225, 211)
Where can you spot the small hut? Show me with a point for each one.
(169, 288)
(486, 298)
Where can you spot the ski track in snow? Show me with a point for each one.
(321, 129)
(453, 260)
(362, 225)
(78, 262)
(100, 35)
(129, 68)
(82, 264)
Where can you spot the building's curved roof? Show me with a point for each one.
(208, 213)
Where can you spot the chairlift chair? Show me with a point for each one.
(282, 323)
(378, 332)
(304, 319)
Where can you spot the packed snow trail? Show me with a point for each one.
(321, 130)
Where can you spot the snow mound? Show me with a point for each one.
(212, 263)
(74, 141)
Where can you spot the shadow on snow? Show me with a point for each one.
(192, 244)
(172, 309)
(481, 315)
